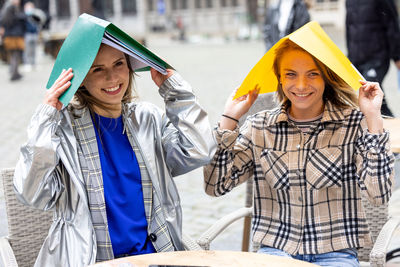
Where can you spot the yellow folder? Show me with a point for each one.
(312, 38)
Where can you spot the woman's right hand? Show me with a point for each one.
(62, 83)
(236, 108)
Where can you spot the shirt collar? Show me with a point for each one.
(331, 113)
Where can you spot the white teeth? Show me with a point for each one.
(112, 89)
(301, 95)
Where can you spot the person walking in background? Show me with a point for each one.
(311, 159)
(13, 20)
(283, 17)
(34, 21)
(373, 39)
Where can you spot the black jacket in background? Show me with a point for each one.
(13, 20)
(372, 31)
(298, 17)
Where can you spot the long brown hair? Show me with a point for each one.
(83, 98)
(337, 91)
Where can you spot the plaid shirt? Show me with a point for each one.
(306, 186)
(91, 168)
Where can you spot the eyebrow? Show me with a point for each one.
(95, 66)
(315, 69)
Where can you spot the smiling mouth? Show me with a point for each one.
(112, 89)
(302, 95)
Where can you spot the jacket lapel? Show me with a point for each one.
(91, 168)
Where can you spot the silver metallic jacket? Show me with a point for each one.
(48, 173)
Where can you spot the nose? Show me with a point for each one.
(110, 75)
(301, 83)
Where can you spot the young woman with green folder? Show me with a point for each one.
(105, 164)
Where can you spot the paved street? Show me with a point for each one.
(214, 68)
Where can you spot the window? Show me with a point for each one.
(184, 4)
(174, 4)
(223, 3)
(129, 7)
(197, 3)
(62, 7)
(108, 7)
(234, 3)
(209, 3)
(150, 5)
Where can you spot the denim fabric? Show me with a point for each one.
(342, 258)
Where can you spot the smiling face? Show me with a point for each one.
(108, 80)
(302, 83)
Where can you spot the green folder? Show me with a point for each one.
(82, 44)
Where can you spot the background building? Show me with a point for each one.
(139, 17)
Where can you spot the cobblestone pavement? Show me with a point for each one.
(214, 68)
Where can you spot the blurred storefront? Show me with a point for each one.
(142, 16)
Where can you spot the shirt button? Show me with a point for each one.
(300, 199)
(153, 237)
(298, 146)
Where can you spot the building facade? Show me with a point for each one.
(139, 17)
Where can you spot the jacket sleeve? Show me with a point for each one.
(37, 174)
(390, 18)
(232, 164)
(375, 165)
(186, 133)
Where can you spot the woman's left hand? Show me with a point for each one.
(159, 78)
(370, 100)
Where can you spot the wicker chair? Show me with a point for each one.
(381, 227)
(27, 228)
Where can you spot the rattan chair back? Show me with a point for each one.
(377, 216)
(27, 227)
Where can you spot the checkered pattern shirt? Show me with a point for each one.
(307, 187)
(91, 168)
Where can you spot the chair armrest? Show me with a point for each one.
(377, 256)
(208, 236)
(189, 243)
(7, 257)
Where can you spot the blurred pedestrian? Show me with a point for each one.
(181, 29)
(13, 21)
(373, 39)
(35, 18)
(283, 17)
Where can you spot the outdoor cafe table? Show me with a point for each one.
(205, 258)
(393, 126)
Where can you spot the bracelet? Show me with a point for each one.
(229, 117)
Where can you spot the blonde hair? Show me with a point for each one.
(83, 98)
(337, 91)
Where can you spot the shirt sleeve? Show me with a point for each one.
(375, 166)
(233, 163)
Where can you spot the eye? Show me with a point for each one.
(314, 74)
(97, 69)
(290, 74)
(120, 63)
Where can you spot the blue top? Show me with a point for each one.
(123, 193)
